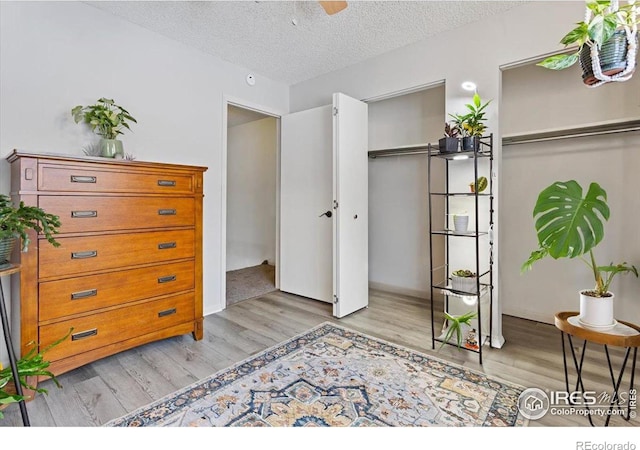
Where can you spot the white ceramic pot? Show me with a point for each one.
(596, 312)
(464, 284)
(461, 222)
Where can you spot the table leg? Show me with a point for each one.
(616, 385)
(12, 357)
(579, 383)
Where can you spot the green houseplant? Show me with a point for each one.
(31, 367)
(472, 124)
(606, 29)
(455, 325)
(569, 225)
(450, 142)
(464, 280)
(16, 221)
(107, 120)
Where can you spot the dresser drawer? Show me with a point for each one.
(98, 330)
(77, 255)
(89, 214)
(95, 179)
(82, 294)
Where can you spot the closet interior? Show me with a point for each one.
(554, 128)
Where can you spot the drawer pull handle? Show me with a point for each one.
(170, 183)
(83, 214)
(84, 255)
(166, 245)
(84, 294)
(167, 212)
(167, 279)
(167, 312)
(84, 334)
(83, 179)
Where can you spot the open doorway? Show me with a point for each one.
(251, 219)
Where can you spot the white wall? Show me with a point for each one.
(251, 193)
(534, 99)
(56, 55)
(474, 52)
(398, 201)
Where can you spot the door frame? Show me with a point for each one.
(227, 101)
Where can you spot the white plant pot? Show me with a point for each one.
(596, 312)
(460, 222)
(464, 284)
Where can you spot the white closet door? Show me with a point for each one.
(306, 174)
(351, 229)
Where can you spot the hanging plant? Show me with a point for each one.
(606, 40)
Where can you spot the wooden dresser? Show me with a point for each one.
(129, 268)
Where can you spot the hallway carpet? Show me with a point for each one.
(250, 282)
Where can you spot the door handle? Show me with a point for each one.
(328, 214)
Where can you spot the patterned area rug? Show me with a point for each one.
(330, 376)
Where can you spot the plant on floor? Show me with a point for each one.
(30, 367)
(15, 222)
(455, 325)
(570, 226)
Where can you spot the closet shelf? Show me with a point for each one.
(600, 128)
(460, 194)
(459, 233)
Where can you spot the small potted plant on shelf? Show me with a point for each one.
(479, 185)
(569, 225)
(16, 221)
(608, 33)
(472, 124)
(450, 143)
(31, 367)
(456, 325)
(464, 280)
(107, 120)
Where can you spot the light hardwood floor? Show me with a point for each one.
(113, 386)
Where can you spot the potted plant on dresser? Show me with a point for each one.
(107, 120)
(16, 221)
(607, 43)
(569, 225)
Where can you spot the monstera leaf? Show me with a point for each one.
(567, 224)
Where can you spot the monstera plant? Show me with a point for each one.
(569, 225)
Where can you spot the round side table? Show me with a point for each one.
(623, 334)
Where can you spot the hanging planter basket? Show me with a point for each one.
(615, 60)
(611, 60)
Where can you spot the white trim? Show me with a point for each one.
(410, 90)
(240, 103)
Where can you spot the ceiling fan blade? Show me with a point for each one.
(333, 7)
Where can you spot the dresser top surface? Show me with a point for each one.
(17, 154)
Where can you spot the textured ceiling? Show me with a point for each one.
(260, 36)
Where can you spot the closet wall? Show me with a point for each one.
(251, 193)
(535, 99)
(398, 208)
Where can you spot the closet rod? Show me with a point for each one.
(382, 153)
(623, 127)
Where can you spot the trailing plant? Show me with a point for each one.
(601, 26)
(105, 118)
(464, 273)
(569, 226)
(32, 365)
(17, 221)
(455, 326)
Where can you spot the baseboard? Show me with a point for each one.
(398, 290)
(528, 315)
